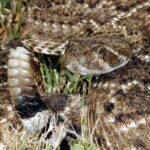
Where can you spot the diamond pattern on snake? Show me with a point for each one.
(105, 38)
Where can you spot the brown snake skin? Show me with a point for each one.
(107, 38)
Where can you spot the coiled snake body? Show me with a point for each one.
(92, 37)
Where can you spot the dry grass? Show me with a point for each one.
(15, 137)
(10, 14)
(19, 139)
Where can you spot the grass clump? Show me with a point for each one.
(63, 81)
(14, 138)
(10, 19)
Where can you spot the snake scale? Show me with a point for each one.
(106, 38)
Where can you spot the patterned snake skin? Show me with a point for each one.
(107, 38)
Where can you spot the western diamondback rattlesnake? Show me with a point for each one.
(92, 37)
